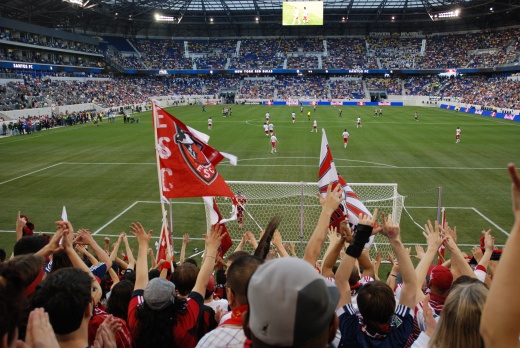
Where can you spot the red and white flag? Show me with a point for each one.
(351, 206)
(186, 162)
(165, 243)
(215, 217)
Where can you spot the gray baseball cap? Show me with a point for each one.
(290, 302)
(159, 294)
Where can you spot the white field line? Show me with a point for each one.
(36, 171)
(468, 208)
(491, 222)
(130, 207)
(115, 218)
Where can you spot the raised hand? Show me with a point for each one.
(489, 240)
(84, 237)
(332, 235)
(391, 229)
(332, 199)
(213, 239)
(20, 222)
(277, 238)
(186, 238)
(419, 252)
(143, 238)
(477, 253)
(433, 235)
(368, 220)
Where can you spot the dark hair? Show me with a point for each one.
(238, 276)
(11, 301)
(192, 261)
(31, 265)
(155, 328)
(29, 245)
(184, 278)
(354, 276)
(376, 303)
(463, 279)
(60, 260)
(129, 275)
(64, 294)
(154, 273)
(2, 255)
(119, 299)
(236, 255)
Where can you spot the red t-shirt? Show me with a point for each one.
(123, 337)
(185, 322)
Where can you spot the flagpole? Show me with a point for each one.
(439, 203)
(159, 177)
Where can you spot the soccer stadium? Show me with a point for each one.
(119, 116)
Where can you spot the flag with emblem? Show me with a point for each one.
(186, 163)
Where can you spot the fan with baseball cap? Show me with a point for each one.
(290, 304)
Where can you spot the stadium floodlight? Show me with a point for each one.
(75, 2)
(161, 18)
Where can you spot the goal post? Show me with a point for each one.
(299, 207)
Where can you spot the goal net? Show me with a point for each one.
(299, 207)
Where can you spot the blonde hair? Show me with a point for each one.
(460, 317)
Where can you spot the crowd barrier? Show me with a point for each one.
(493, 114)
(344, 103)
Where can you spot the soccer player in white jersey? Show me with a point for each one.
(345, 138)
(271, 128)
(210, 123)
(359, 123)
(293, 117)
(266, 129)
(416, 116)
(457, 135)
(274, 141)
(267, 116)
(305, 16)
(375, 112)
(314, 127)
(296, 16)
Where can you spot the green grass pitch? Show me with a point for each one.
(106, 176)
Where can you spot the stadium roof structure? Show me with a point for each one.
(231, 18)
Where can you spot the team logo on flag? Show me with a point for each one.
(195, 159)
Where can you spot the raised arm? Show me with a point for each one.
(331, 257)
(68, 233)
(329, 203)
(392, 231)
(210, 257)
(434, 241)
(499, 323)
(82, 251)
(457, 259)
(20, 223)
(185, 241)
(278, 243)
(129, 253)
(86, 238)
(141, 267)
(354, 250)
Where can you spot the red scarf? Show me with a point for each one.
(236, 316)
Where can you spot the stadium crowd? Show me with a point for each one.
(495, 91)
(68, 290)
